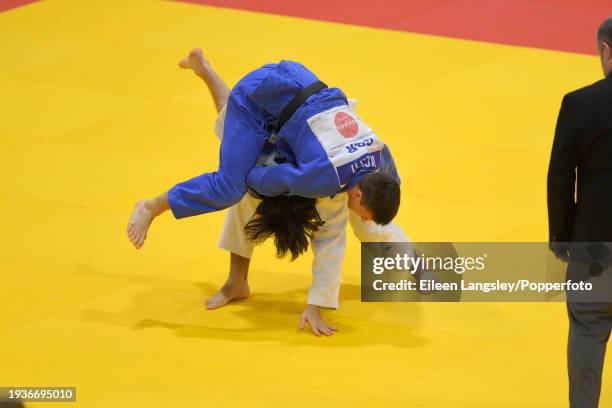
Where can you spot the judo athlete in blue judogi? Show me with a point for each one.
(327, 148)
(321, 149)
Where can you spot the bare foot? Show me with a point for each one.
(139, 223)
(196, 62)
(229, 292)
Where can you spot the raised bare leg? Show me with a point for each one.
(202, 68)
(236, 287)
(144, 213)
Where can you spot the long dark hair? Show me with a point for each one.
(291, 220)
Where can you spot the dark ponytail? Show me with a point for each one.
(291, 220)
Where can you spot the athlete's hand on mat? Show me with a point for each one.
(312, 316)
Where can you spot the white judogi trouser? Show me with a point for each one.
(328, 244)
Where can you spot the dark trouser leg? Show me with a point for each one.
(590, 325)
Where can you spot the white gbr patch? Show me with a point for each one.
(349, 143)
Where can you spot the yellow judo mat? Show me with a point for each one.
(96, 114)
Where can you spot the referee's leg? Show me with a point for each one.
(589, 331)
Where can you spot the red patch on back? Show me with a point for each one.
(346, 124)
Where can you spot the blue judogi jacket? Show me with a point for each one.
(326, 148)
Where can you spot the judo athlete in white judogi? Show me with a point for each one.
(328, 243)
